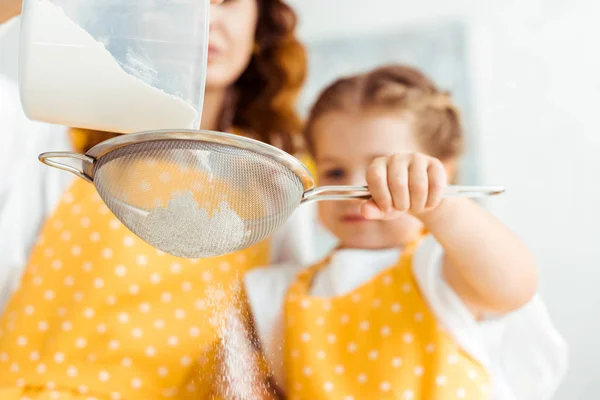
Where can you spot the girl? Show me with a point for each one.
(101, 314)
(420, 298)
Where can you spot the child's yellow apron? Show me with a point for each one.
(380, 341)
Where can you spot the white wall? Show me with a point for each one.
(536, 79)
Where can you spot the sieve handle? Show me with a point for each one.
(362, 192)
(84, 162)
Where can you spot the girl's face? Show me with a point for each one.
(344, 146)
(231, 41)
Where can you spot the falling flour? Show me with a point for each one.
(185, 230)
(69, 78)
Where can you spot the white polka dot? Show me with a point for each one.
(351, 347)
(101, 328)
(66, 326)
(76, 250)
(339, 369)
(362, 378)
(452, 359)
(441, 380)
(419, 371)
(385, 386)
(163, 371)
(43, 326)
(396, 308)
(65, 236)
(159, 324)
(120, 270)
(150, 351)
(59, 358)
(166, 297)
(364, 326)
(224, 267)
(126, 362)
(180, 314)
(408, 338)
(56, 265)
(103, 376)
(373, 355)
(48, 252)
(87, 266)
(49, 295)
(376, 303)
(95, 237)
(136, 383)
(326, 305)
(175, 268)
(21, 341)
(169, 392)
(356, 297)
(331, 338)
(115, 396)
(397, 362)
(200, 304)
(472, 374)
(186, 286)
(128, 241)
(82, 389)
(34, 356)
(134, 289)
(72, 372)
(385, 331)
(103, 209)
(78, 296)
(430, 348)
(328, 386)
(137, 333)
(145, 307)
(305, 303)
(419, 317)
(305, 337)
(29, 310)
(89, 313)
(145, 186)
(123, 318)
(107, 254)
(114, 224)
(80, 343)
(207, 276)
(61, 312)
(321, 321)
(85, 222)
(98, 283)
(194, 331)
(461, 393)
(190, 387)
(38, 280)
(185, 361)
(111, 300)
(387, 280)
(50, 385)
(344, 319)
(165, 177)
(69, 281)
(406, 287)
(92, 357)
(3, 357)
(349, 398)
(173, 341)
(141, 260)
(21, 383)
(155, 278)
(321, 355)
(307, 371)
(41, 369)
(14, 367)
(408, 395)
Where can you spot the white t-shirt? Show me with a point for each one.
(524, 354)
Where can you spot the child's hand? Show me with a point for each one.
(408, 182)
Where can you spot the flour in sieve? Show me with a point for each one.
(185, 230)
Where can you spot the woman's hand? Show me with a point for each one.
(406, 182)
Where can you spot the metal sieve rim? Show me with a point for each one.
(228, 139)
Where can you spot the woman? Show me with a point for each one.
(99, 313)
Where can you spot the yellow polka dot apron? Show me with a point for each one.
(101, 314)
(380, 341)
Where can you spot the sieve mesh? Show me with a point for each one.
(196, 199)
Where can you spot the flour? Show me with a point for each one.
(69, 78)
(184, 230)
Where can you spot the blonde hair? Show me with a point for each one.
(402, 89)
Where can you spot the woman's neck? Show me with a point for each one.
(214, 101)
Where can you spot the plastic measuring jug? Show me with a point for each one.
(114, 65)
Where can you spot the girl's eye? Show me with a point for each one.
(333, 173)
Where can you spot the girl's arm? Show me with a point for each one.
(487, 265)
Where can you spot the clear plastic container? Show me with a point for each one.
(114, 65)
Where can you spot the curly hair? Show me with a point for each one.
(262, 102)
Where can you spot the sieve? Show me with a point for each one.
(198, 194)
